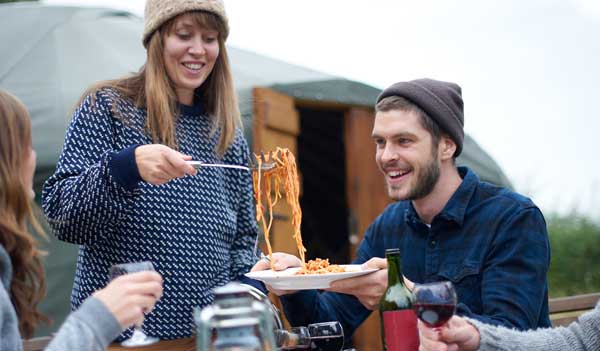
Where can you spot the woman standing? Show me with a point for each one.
(123, 190)
(101, 318)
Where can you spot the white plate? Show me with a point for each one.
(287, 280)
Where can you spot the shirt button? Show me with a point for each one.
(432, 243)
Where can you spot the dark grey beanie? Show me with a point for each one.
(442, 101)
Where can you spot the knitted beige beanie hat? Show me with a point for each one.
(158, 12)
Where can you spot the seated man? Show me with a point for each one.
(489, 241)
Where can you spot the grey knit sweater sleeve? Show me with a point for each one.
(581, 335)
(92, 327)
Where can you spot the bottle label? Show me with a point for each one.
(400, 330)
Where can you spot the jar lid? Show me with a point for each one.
(231, 288)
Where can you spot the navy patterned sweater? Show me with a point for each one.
(198, 231)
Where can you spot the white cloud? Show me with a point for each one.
(589, 8)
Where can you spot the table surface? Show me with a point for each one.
(187, 344)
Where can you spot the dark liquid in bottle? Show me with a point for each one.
(434, 315)
(327, 343)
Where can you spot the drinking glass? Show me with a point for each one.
(434, 303)
(139, 338)
(326, 336)
(296, 339)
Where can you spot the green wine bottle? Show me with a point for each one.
(399, 321)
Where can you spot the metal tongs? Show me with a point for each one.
(200, 164)
(264, 164)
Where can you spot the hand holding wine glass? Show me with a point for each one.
(457, 333)
(128, 296)
(434, 303)
(124, 272)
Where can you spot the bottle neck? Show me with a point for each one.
(394, 270)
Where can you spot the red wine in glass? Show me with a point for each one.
(327, 343)
(434, 303)
(434, 315)
(326, 336)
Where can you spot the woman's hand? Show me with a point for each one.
(159, 164)
(457, 334)
(129, 296)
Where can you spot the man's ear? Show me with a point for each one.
(447, 147)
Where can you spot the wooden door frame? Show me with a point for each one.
(367, 336)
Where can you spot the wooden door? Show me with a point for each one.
(367, 198)
(276, 123)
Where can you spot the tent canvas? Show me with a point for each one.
(51, 54)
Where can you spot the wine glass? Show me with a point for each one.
(326, 336)
(434, 303)
(138, 338)
(297, 338)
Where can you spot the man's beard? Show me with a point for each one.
(426, 181)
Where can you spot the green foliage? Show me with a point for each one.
(575, 263)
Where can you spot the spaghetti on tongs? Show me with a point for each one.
(267, 185)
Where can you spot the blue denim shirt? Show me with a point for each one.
(489, 241)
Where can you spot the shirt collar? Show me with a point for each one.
(456, 207)
(194, 110)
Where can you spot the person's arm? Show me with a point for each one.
(92, 327)
(101, 318)
(514, 285)
(92, 187)
(10, 338)
(582, 335)
(470, 334)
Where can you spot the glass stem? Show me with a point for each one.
(138, 333)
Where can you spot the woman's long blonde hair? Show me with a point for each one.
(151, 88)
(27, 287)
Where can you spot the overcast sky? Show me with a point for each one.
(528, 68)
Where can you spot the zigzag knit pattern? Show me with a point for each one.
(198, 231)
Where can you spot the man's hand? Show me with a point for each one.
(129, 296)
(457, 334)
(159, 164)
(369, 288)
(281, 261)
